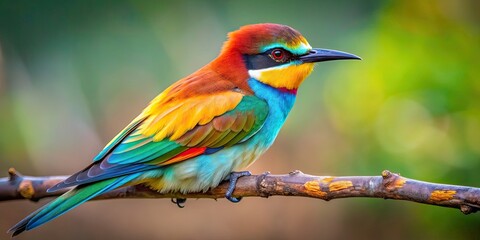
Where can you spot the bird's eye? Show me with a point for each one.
(278, 55)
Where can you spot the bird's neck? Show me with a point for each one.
(280, 100)
(230, 65)
(286, 90)
(279, 104)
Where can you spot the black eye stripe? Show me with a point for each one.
(265, 59)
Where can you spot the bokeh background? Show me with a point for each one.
(74, 73)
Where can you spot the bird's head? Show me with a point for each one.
(274, 54)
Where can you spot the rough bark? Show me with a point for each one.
(388, 186)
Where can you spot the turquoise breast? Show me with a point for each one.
(279, 102)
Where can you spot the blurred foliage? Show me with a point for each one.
(74, 73)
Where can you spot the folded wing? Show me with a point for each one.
(175, 132)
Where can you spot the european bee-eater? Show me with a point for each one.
(199, 130)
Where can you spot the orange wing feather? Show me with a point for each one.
(188, 103)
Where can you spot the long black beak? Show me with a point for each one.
(322, 55)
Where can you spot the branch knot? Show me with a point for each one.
(262, 185)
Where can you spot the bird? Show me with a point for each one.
(205, 127)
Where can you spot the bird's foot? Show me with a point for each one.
(233, 181)
(180, 202)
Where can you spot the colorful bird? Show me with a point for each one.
(205, 126)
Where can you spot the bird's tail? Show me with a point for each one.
(68, 201)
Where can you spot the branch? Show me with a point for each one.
(388, 186)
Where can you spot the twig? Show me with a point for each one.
(388, 186)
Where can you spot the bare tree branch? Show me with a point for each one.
(388, 186)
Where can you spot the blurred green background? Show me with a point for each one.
(74, 73)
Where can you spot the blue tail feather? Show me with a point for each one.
(68, 201)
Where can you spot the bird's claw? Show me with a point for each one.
(180, 202)
(233, 199)
(233, 177)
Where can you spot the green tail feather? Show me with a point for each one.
(68, 201)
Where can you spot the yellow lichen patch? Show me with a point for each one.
(340, 185)
(399, 182)
(327, 180)
(313, 189)
(26, 189)
(442, 195)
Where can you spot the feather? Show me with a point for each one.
(68, 201)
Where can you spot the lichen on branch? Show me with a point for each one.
(388, 186)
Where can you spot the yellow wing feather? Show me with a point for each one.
(173, 119)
